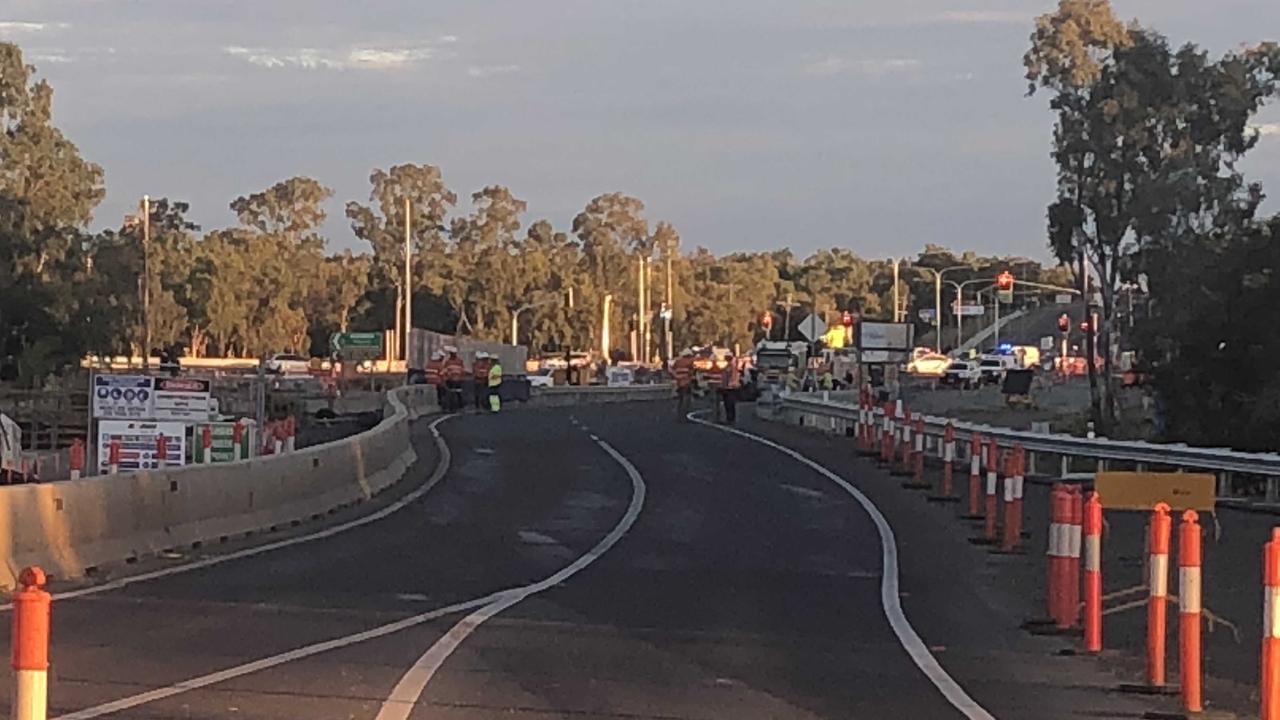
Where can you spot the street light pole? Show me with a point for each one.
(146, 282)
(408, 275)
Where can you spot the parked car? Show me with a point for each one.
(542, 378)
(288, 364)
(963, 374)
(992, 368)
(929, 364)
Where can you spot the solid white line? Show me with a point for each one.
(442, 467)
(889, 599)
(400, 703)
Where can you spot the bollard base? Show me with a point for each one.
(983, 541)
(971, 517)
(943, 499)
(1150, 690)
(1011, 551)
(1052, 630)
(1202, 715)
(916, 486)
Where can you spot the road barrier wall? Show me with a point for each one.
(71, 527)
(567, 395)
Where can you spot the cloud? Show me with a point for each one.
(358, 58)
(1268, 129)
(13, 27)
(484, 71)
(833, 65)
(53, 58)
(983, 17)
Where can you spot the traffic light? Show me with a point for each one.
(766, 321)
(1064, 323)
(1004, 284)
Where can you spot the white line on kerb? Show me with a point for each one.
(442, 467)
(889, 599)
(408, 691)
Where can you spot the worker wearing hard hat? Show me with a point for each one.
(495, 384)
(480, 377)
(682, 369)
(729, 388)
(435, 376)
(454, 372)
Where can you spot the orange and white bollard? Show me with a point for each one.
(904, 460)
(206, 442)
(1189, 562)
(77, 459)
(113, 457)
(886, 437)
(290, 434)
(918, 453)
(1012, 536)
(31, 606)
(948, 460)
(993, 486)
(1158, 584)
(1059, 539)
(1093, 574)
(975, 477)
(1071, 578)
(1270, 686)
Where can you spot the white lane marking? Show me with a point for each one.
(400, 703)
(220, 676)
(529, 537)
(806, 492)
(412, 597)
(889, 598)
(442, 467)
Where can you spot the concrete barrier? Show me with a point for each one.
(567, 395)
(71, 527)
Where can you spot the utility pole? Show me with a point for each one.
(786, 318)
(897, 303)
(648, 309)
(636, 349)
(671, 307)
(604, 327)
(408, 277)
(146, 282)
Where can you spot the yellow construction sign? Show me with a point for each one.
(1142, 490)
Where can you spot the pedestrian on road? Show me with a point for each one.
(494, 382)
(454, 371)
(480, 379)
(730, 387)
(682, 368)
(435, 377)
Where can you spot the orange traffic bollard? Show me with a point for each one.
(1093, 574)
(1189, 562)
(1059, 539)
(886, 442)
(918, 453)
(975, 477)
(904, 460)
(113, 457)
(1071, 578)
(1012, 535)
(1158, 584)
(1270, 690)
(993, 485)
(948, 460)
(77, 459)
(31, 606)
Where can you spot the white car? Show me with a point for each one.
(542, 378)
(929, 364)
(288, 364)
(962, 374)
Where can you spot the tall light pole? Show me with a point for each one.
(937, 297)
(671, 307)
(896, 301)
(408, 277)
(146, 282)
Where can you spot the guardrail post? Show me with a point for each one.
(31, 605)
(1270, 690)
(1189, 561)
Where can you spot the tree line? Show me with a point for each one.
(267, 284)
(1147, 142)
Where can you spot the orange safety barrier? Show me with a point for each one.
(1093, 574)
(30, 638)
(1270, 690)
(993, 486)
(1189, 562)
(1158, 584)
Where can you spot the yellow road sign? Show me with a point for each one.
(1142, 490)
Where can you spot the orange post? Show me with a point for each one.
(1093, 574)
(993, 486)
(30, 637)
(113, 457)
(905, 461)
(918, 452)
(1158, 584)
(1012, 536)
(948, 459)
(886, 444)
(77, 459)
(1270, 685)
(1059, 540)
(1071, 578)
(1189, 562)
(162, 450)
(975, 475)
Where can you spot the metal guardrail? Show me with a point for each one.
(1219, 460)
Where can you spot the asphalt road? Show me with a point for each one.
(670, 570)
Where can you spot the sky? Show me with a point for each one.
(875, 125)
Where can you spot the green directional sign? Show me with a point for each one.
(357, 345)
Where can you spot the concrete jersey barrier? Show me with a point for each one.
(70, 527)
(566, 395)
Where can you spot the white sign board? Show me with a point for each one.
(812, 328)
(138, 444)
(1046, 342)
(886, 336)
(10, 444)
(123, 397)
(181, 399)
(619, 376)
(1063, 299)
(926, 314)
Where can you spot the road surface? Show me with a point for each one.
(598, 562)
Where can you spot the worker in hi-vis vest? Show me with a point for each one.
(495, 382)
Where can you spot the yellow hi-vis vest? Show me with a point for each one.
(495, 374)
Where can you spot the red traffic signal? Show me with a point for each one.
(766, 320)
(846, 319)
(1064, 322)
(1005, 281)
